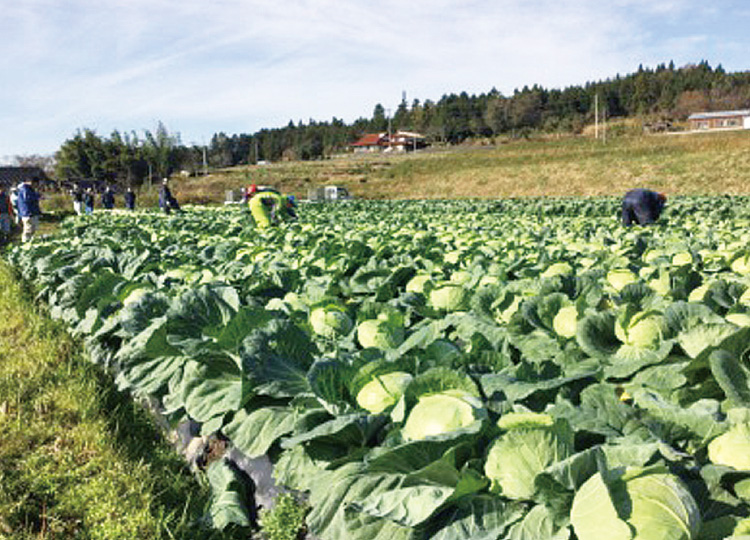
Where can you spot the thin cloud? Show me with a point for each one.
(243, 65)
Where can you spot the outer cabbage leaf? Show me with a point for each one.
(531, 443)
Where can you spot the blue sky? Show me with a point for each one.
(237, 66)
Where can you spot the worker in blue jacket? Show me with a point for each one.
(642, 206)
(28, 207)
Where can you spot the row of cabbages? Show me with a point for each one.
(421, 373)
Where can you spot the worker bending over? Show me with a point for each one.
(642, 206)
(269, 207)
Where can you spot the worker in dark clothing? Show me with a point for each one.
(6, 215)
(167, 202)
(108, 198)
(642, 207)
(129, 197)
(88, 201)
(290, 207)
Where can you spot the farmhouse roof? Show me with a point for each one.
(719, 114)
(381, 139)
(11, 176)
(370, 139)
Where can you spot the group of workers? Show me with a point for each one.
(83, 199)
(267, 206)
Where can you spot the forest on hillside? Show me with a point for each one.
(664, 93)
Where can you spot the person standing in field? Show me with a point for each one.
(129, 199)
(167, 202)
(642, 207)
(28, 208)
(108, 198)
(14, 203)
(6, 215)
(88, 201)
(77, 195)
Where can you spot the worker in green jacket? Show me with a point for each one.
(271, 207)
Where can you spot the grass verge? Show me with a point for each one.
(77, 458)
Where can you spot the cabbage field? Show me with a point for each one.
(523, 369)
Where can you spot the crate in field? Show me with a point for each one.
(328, 194)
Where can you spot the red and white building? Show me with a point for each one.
(400, 141)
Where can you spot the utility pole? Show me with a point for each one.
(596, 116)
(205, 160)
(388, 113)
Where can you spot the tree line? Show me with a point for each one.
(662, 93)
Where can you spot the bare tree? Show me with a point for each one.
(46, 163)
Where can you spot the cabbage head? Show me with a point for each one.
(640, 504)
(508, 308)
(740, 319)
(741, 265)
(330, 321)
(136, 294)
(421, 284)
(732, 448)
(383, 391)
(645, 330)
(461, 277)
(662, 284)
(682, 258)
(441, 413)
(619, 277)
(558, 269)
(450, 297)
(699, 293)
(380, 334)
(652, 254)
(566, 322)
(531, 443)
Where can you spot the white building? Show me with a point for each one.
(720, 120)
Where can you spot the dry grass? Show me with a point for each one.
(678, 164)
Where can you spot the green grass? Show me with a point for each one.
(77, 458)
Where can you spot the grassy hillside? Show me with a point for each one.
(678, 164)
(687, 164)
